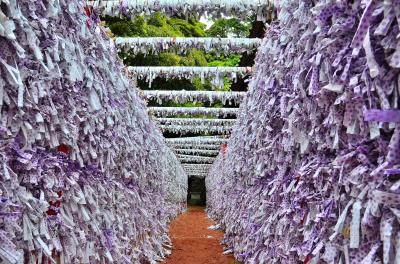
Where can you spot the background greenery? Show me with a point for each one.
(159, 25)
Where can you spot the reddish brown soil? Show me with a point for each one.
(193, 243)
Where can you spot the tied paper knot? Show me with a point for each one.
(109, 236)
(382, 115)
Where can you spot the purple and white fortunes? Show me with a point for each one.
(312, 170)
(81, 162)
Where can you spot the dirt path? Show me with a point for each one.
(193, 243)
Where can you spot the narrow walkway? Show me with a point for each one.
(193, 242)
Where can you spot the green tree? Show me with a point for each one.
(229, 27)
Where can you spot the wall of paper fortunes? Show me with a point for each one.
(311, 172)
(81, 161)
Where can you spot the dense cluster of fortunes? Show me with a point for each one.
(310, 174)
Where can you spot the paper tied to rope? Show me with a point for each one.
(196, 121)
(191, 145)
(198, 129)
(215, 74)
(193, 111)
(214, 140)
(197, 151)
(160, 96)
(242, 9)
(155, 45)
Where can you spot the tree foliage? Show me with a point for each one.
(229, 27)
